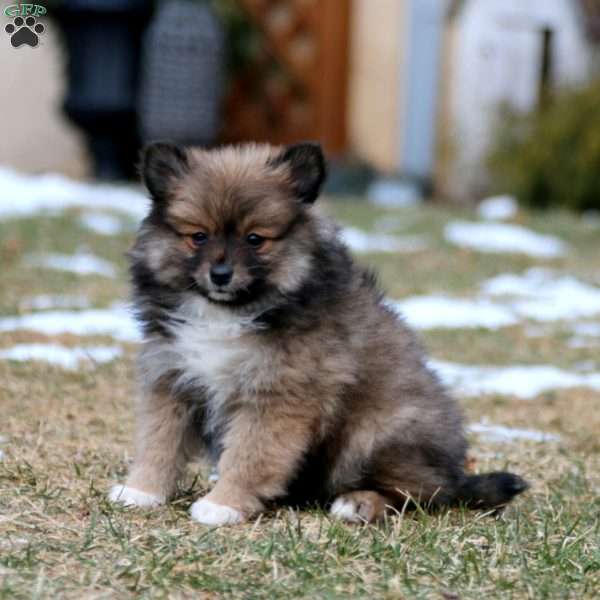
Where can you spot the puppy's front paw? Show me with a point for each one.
(129, 496)
(207, 512)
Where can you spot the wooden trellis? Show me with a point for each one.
(294, 88)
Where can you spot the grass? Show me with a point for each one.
(68, 435)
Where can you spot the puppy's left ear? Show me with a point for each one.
(307, 168)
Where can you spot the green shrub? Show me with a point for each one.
(551, 158)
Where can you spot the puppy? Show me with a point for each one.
(268, 349)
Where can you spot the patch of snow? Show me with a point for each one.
(364, 242)
(543, 296)
(526, 382)
(27, 195)
(505, 300)
(585, 335)
(498, 208)
(503, 238)
(62, 356)
(579, 342)
(430, 312)
(501, 433)
(587, 329)
(81, 263)
(392, 193)
(2, 455)
(47, 301)
(117, 322)
(101, 223)
(509, 284)
(586, 366)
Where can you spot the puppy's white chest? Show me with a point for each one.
(211, 354)
(217, 350)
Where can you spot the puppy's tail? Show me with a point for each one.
(490, 490)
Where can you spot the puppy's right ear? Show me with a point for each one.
(161, 164)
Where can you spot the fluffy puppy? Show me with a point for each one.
(270, 350)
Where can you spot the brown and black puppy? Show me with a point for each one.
(270, 350)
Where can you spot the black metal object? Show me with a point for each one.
(103, 41)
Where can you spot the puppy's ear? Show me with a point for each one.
(307, 168)
(161, 164)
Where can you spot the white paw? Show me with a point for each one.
(131, 497)
(207, 512)
(346, 510)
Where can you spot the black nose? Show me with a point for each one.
(221, 274)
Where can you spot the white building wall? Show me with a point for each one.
(36, 137)
(497, 60)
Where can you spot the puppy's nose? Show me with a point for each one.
(221, 274)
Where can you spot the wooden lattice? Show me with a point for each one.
(294, 87)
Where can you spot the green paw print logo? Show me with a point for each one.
(25, 28)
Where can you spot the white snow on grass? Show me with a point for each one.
(82, 263)
(48, 301)
(501, 433)
(578, 342)
(28, 195)
(117, 322)
(430, 312)
(101, 223)
(526, 382)
(542, 295)
(503, 238)
(62, 356)
(591, 330)
(363, 242)
(497, 208)
(585, 335)
(508, 299)
(393, 194)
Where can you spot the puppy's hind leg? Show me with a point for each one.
(435, 477)
(360, 507)
(162, 421)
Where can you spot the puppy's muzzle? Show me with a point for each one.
(221, 274)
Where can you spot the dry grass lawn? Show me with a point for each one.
(66, 438)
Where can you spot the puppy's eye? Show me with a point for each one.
(255, 240)
(199, 238)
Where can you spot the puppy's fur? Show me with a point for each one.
(294, 377)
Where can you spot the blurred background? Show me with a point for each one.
(411, 98)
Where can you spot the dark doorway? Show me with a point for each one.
(546, 67)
